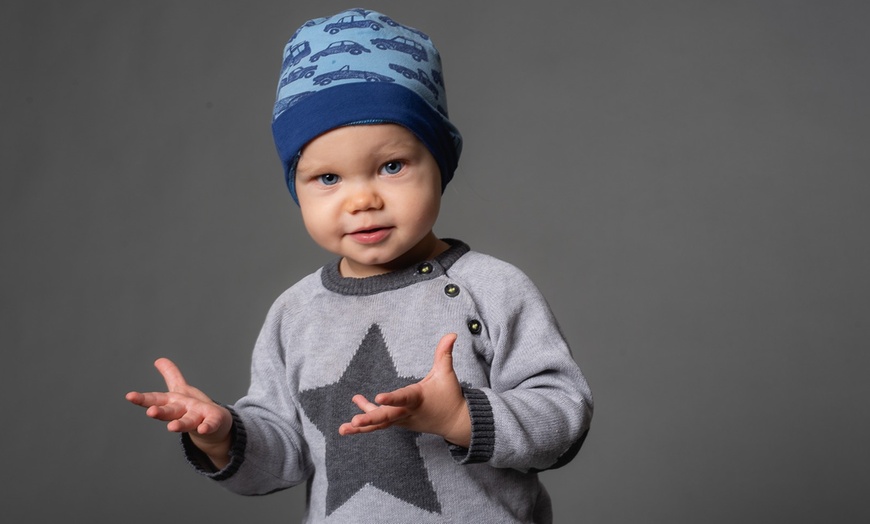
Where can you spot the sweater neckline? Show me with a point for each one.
(332, 279)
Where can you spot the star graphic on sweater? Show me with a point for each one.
(389, 459)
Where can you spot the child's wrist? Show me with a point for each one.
(218, 452)
(459, 433)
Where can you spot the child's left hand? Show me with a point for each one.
(434, 405)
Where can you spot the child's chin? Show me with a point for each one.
(365, 267)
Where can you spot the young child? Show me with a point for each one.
(344, 394)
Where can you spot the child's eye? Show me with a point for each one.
(392, 167)
(328, 179)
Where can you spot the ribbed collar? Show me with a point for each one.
(427, 270)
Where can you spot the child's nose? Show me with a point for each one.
(363, 197)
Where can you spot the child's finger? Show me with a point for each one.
(349, 429)
(147, 399)
(378, 419)
(166, 412)
(171, 374)
(444, 351)
(363, 403)
(181, 426)
(135, 397)
(408, 396)
(201, 422)
(209, 424)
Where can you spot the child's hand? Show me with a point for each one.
(188, 410)
(434, 405)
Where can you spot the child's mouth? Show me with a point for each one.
(371, 236)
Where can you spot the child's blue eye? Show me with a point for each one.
(392, 167)
(328, 179)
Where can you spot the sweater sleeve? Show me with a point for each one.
(269, 452)
(540, 402)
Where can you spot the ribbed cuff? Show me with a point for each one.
(200, 461)
(482, 430)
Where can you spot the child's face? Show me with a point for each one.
(371, 194)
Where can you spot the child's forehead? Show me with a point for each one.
(370, 136)
(363, 139)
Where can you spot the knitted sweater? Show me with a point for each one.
(328, 338)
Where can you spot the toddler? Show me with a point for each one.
(344, 393)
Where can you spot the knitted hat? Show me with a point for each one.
(361, 67)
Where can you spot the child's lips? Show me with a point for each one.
(371, 235)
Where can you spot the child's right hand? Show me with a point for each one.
(188, 410)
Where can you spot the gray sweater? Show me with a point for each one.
(328, 338)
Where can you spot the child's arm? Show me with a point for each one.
(534, 408)
(434, 405)
(188, 410)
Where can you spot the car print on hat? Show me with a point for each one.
(419, 76)
(342, 46)
(351, 22)
(296, 74)
(346, 73)
(296, 54)
(404, 45)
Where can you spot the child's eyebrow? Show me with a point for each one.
(396, 146)
(311, 167)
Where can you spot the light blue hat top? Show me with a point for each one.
(361, 67)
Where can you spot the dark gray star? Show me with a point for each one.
(388, 459)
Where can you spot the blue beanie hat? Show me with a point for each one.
(361, 67)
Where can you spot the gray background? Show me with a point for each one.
(687, 183)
